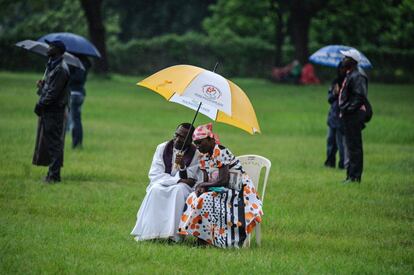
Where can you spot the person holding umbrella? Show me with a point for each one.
(334, 141)
(172, 177)
(51, 108)
(77, 97)
(355, 110)
(81, 48)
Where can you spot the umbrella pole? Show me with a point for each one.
(192, 124)
(44, 74)
(215, 67)
(195, 116)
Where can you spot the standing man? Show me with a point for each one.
(172, 177)
(51, 109)
(353, 108)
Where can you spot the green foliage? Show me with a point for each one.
(355, 23)
(237, 56)
(32, 19)
(143, 19)
(240, 35)
(401, 32)
(236, 18)
(25, 19)
(358, 23)
(112, 25)
(312, 224)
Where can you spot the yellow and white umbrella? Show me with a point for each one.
(206, 92)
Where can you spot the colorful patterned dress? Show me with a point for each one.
(225, 216)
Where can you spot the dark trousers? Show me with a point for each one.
(76, 101)
(353, 125)
(333, 145)
(53, 124)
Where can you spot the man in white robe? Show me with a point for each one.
(172, 177)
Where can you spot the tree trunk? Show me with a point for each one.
(300, 19)
(92, 9)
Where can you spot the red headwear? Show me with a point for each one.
(204, 131)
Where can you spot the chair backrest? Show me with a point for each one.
(253, 165)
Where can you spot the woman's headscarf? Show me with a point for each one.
(204, 131)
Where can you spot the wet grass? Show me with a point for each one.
(312, 223)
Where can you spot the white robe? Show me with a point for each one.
(163, 205)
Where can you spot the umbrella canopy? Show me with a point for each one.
(207, 92)
(41, 48)
(331, 56)
(74, 43)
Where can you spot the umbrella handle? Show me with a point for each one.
(192, 123)
(43, 79)
(44, 74)
(188, 134)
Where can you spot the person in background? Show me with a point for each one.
(77, 97)
(308, 75)
(353, 105)
(289, 73)
(335, 128)
(52, 109)
(295, 72)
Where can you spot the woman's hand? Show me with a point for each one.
(200, 189)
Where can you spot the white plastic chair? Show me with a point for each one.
(253, 165)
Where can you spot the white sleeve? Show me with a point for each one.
(157, 173)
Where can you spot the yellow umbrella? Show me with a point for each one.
(206, 92)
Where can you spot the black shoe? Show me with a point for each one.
(357, 180)
(351, 180)
(201, 242)
(329, 165)
(51, 180)
(77, 147)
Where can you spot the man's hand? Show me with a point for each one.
(38, 110)
(336, 89)
(179, 160)
(40, 84)
(189, 182)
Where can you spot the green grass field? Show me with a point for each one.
(312, 223)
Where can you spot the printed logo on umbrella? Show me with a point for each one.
(211, 92)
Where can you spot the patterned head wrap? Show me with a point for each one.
(204, 131)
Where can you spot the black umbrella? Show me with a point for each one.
(41, 48)
(74, 43)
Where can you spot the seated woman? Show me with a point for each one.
(215, 213)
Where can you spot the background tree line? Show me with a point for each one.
(248, 38)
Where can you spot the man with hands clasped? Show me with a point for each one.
(173, 173)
